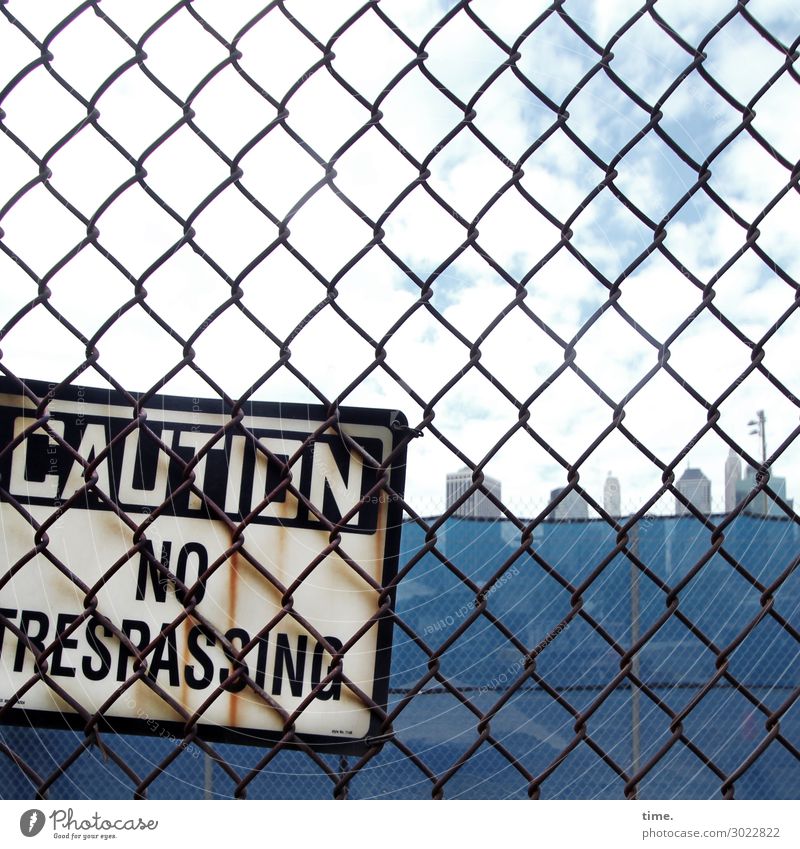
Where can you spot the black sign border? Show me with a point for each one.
(393, 420)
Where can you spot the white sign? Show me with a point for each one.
(225, 598)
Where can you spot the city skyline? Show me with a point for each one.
(692, 483)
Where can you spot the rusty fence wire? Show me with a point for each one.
(646, 653)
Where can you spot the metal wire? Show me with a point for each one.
(341, 774)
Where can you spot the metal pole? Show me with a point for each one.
(762, 422)
(635, 695)
(209, 777)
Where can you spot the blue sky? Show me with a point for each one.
(469, 293)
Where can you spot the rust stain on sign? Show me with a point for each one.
(187, 659)
(233, 596)
(233, 587)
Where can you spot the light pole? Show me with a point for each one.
(759, 423)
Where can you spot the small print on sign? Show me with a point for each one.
(214, 561)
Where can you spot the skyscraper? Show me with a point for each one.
(762, 504)
(733, 474)
(696, 488)
(477, 505)
(572, 507)
(612, 497)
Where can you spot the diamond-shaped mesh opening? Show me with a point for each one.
(45, 240)
(689, 231)
(774, 233)
(136, 128)
(422, 233)
(734, 296)
(559, 175)
(77, 298)
(279, 172)
(203, 52)
(731, 356)
(276, 54)
(88, 170)
(607, 130)
(610, 236)
(751, 50)
(448, 53)
(648, 59)
(653, 177)
(745, 155)
(232, 231)
(369, 55)
(230, 110)
(663, 416)
(372, 173)
(697, 117)
(417, 114)
(136, 231)
(324, 114)
(559, 239)
(604, 341)
(466, 175)
(39, 110)
(109, 51)
(556, 427)
(555, 59)
(328, 233)
(518, 235)
(508, 94)
(171, 171)
(781, 132)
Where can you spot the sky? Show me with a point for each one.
(471, 173)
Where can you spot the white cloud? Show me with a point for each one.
(693, 20)
(741, 60)
(555, 58)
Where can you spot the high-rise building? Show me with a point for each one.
(478, 504)
(572, 507)
(696, 488)
(762, 504)
(611, 496)
(733, 475)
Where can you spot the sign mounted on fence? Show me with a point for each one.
(228, 609)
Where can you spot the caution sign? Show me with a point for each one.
(181, 564)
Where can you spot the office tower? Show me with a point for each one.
(733, 474)
(572, 507)
(611, 496)
(696, 488)
(478, 504)
(762, 504)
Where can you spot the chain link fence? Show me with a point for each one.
(577, 216)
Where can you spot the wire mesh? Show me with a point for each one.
(641, 655)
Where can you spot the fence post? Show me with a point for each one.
(635, 706)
